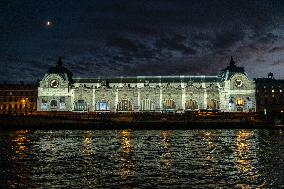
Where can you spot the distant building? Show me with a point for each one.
(18, 99)
(231, 91)
(269, 94)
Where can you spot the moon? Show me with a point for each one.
(48, 23)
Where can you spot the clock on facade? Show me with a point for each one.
(238, 82)
(54, 83)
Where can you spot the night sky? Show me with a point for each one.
(140, 37)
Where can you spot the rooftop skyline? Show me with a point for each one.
(163, 37)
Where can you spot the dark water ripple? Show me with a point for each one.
(142, 159)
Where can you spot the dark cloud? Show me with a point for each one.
(175, 43)
(277, 49)
(227, 38)
(140, 37)
(123, 43)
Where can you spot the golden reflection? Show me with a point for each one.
(245, 162)
(126, 154)
(243, 143)
(20, 144)
(166, 155)
(211, 147)
(20, 155)
(87, 143)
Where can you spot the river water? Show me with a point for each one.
(142, 159)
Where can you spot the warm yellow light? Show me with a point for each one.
(240, 102)
(272, 90)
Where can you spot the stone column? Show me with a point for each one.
(94, 99)
(138, 100)
(116, 100)
(205, 96)
(183, 98)
(161, 99)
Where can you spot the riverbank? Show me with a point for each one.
(137, 121)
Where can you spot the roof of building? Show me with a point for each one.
(20, 86)
(150, 79)
(61, 70)
(228, 72)
(269, 80)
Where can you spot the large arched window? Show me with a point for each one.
(212, 104)
(249, 104)
(147, 105)
(124, 105)
(240, 102)
(53, 103)
(80, 105)
(169, 104)
(191, 105)
(102, 106)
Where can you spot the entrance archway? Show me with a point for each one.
(191, 105)
(80, 105)
(102, 106)
(212, 104)
(169, 104)
(53, 104)
(147, 105)
(124, 105)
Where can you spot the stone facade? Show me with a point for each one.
(230, 90)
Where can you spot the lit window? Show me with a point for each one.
(240, 102)
(272, 90)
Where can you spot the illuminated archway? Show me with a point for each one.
(147, 105)
(80, 105)
(191, 105)
(212, 104)
(169, 104)
(102, 106)
(124, 105)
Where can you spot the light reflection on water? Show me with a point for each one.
(142, 159)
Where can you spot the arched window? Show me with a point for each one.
(169, 104)
(191, 105)
(124, 105)
(231, 104)
(80, 105)
(102, 106)
(53, 103)
(249, 104)
(212, 104)
(147, 105)
(240, 102)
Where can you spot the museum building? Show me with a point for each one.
(229, 91)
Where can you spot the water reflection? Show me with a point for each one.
(20, 159)
(87, 143)
(142, 159)
(126, 154)
(211, 147)
(166, 155)
(245, 160)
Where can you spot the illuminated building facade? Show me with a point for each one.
(18, 99)
(269, 95)
(230, 91)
